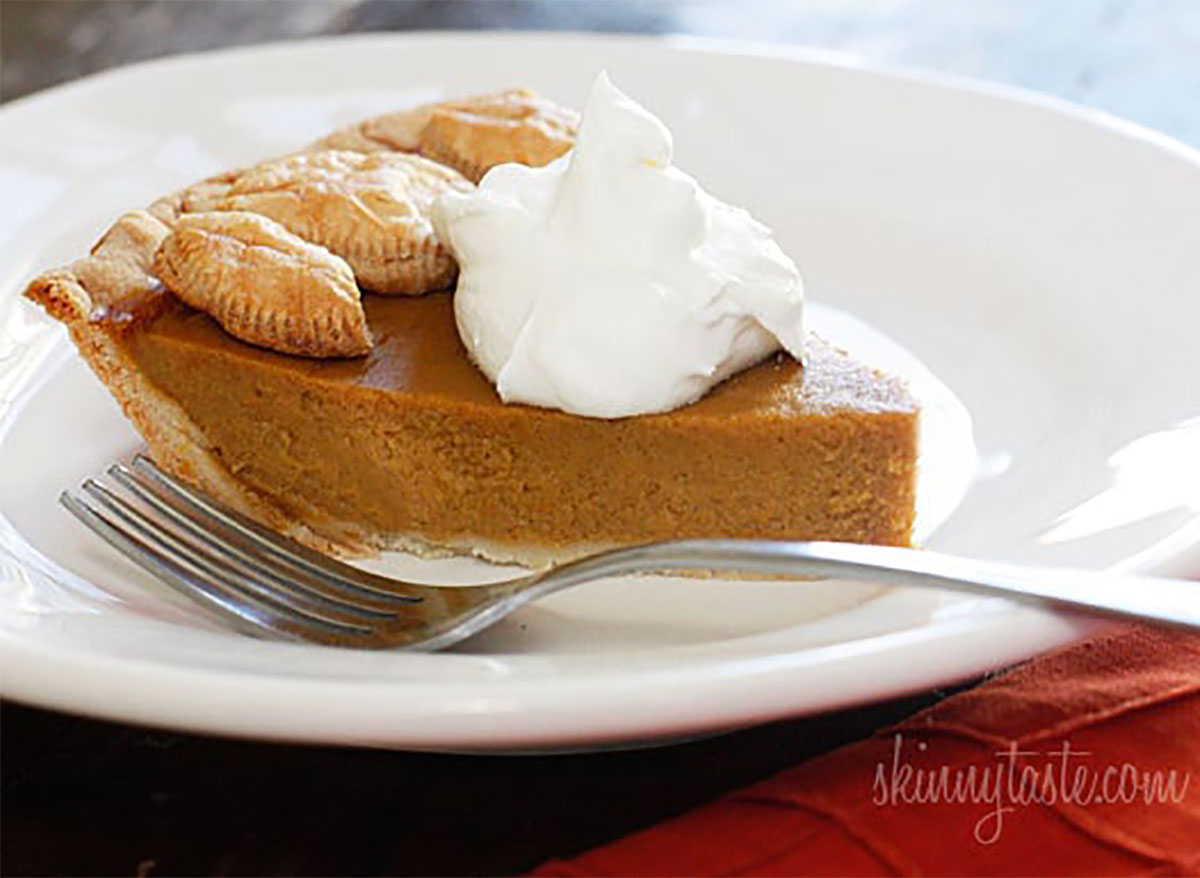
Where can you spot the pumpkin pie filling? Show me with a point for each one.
(411, 447)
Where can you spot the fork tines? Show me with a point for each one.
(261, 580)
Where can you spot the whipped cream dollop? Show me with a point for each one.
(608, 283)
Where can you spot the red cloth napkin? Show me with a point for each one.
(1072, 757)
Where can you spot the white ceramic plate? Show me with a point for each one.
(1042, 260)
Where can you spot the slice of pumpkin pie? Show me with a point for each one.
(239, 325)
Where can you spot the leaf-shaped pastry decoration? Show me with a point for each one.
(470, 135)
(264, 285)
(474, 136)
(371, 209)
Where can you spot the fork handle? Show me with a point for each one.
(1172, 601)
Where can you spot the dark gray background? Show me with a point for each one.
(1137, 58)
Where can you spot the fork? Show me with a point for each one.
(270, 586)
